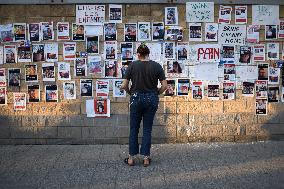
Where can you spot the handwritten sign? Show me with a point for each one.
(232, 34)
(204, 53)
(200, 11)
(265, 14)
(90, 14)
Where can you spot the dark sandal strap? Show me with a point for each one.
(126, 161)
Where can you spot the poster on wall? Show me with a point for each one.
(24, 54)
(102, 108)
(253, 33)
(144, 31)
(273, 76)
(171, 87)
(173, 33)
(229, 90)
(195, 32)
(34, 32)
(14, 77)
(259, 52)
(271, 32)
(115, 13)
(130, 32)
(232, 34)
(262, 71)
(48, 72)
(33, 93)
(265, 14)
(92, 44)
(225, 14)
(90, 14)
(6, 33)
(110, 50)
(102, 88)
(69, 50)
(176, 69)
(281, 30)
(10, 54)
(69, 90)
(206, 71)
(3, 81)
(38, 52)
(261, 106)
(245, 73)
(80, 67)
(169, 51)
(110, 31)
(197, 90)
(86, 87)
(245, 54)
(158, 31)
(117, 92)
(51, 93)
(228, 53)
(94, 65)
(63, 31)
(183, 86)
(155, 51)
(78, 32)
(31, 73)
(211, 31)
(241, 14)
(229, 72)
(248, 89)
(213, 92)
(51, 52)
(20, 101)
(19, 31)
(273, 93)
(3, 96)
(94, 30)
(199, 11)
(126, 51)
(110, 69)
(1, 54)
(182, 50)
(63, 71)
(46, 29)
(272, 51)
(171, 16)
(261, 89)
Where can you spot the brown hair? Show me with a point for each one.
(143, 50)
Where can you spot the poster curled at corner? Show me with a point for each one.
(241, 14)
(199, 11)
(20, 101)
(207, 71)
(115, 13)
(265, 14)
(90, 14)
(225, 14)
(232, 34)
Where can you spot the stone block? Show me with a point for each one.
(256, 130)
(46, 132)
(171, 108)
(200, 107)
(69, 132)
(55, 121)
(13, 11)
(157, 12)
(5, 131)
(223, 119)
(273, 129)
(159, 119)
(245, 118)
(270, 118)
(99, 121)
(161, 108)
(211, 130)
(182, 119)
(117, 132)
(182, 16)
(22, 132)
(119, 108)
(188, 130)
(137, 9)
(234, 106)
(170, 120)
(182, 107)
(164, 132)
(203, 119)
(94, 132)
(33, 121)
(230, 130)
(120, 120)
(38, 10)
(65, 10)
(7, 121)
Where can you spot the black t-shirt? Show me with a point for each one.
(144, 75)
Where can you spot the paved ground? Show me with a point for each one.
(177, 166)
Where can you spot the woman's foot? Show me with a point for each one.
(146, 161)
(129, 161)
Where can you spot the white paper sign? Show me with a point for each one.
(241, 14)
(205, 53)
(232, 34)
(207, 72)
(265, 14)
(199, 11)
(90, 14)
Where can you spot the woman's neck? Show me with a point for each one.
(146, 58)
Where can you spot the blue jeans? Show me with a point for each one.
(142, 105)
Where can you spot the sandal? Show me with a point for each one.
(148, 160)
(130, 164)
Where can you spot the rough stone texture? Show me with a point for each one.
(178, 119)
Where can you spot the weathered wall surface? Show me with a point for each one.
(179, 119)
